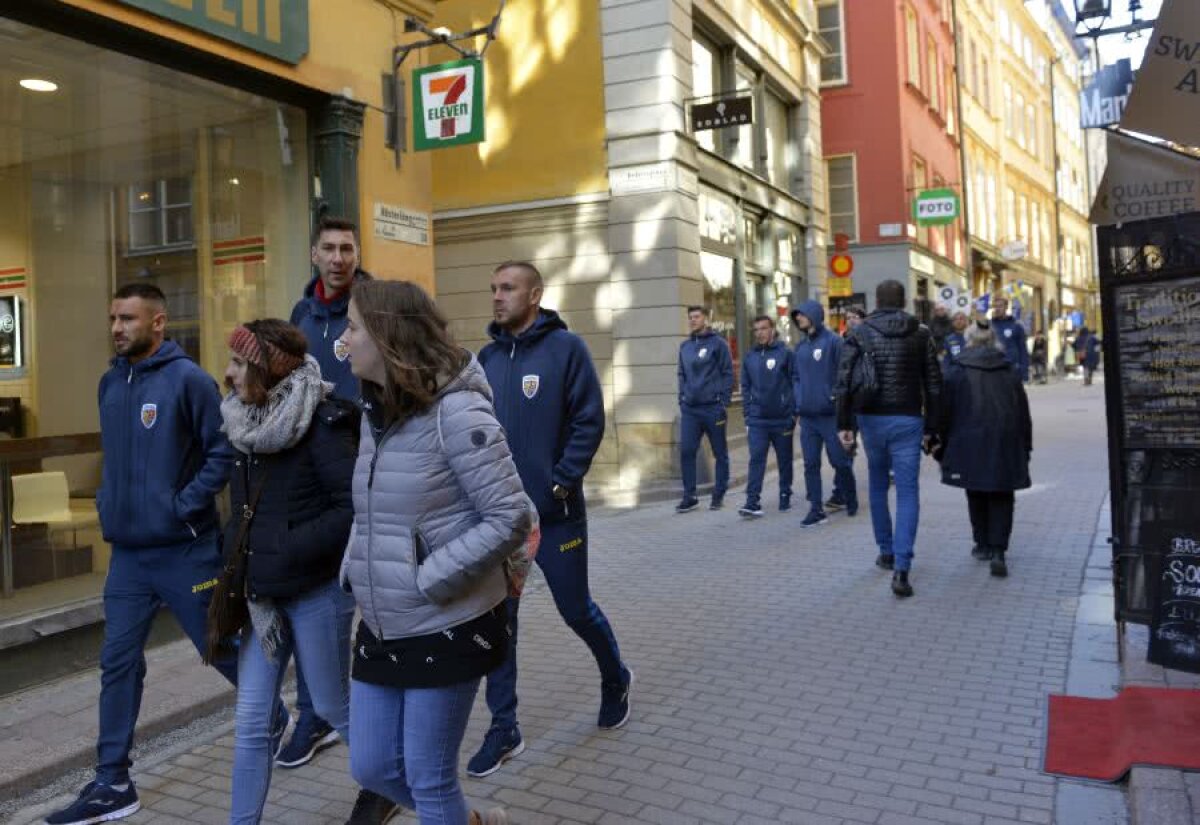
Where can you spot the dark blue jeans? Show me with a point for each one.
(694, 423)
(140, 580)
(893, 442)
(760, 439)
(562, 556)
(817, 431)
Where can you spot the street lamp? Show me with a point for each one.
(1093, 14)
(1092, 9)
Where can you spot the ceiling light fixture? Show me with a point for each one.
(36, 84)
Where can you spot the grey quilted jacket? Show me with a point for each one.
(438, 506)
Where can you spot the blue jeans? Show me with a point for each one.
(893, 442)
(406, 746)
(817, 431)
(760, 439)
(140, 580)
(563, 559)
(695, 422)
(313, 623)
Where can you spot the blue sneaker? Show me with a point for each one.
(687, 505)
(814, 518)
(311, 736)
(98, 802)
(499, 746)
(751, 509)
(614, 702)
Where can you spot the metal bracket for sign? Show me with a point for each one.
(393, 84)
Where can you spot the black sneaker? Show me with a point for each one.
(311, 735)
(717, 502)
(614, 702)
(998, 566)
(900, 585)
(98, 803)
(884, 562)
(688, 504)
(980, 552)
(814, 518)
(499, 746)
(372, 809)
(751, 509)
(834, 504)
(852, 508)
(785, 503)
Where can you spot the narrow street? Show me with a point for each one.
(778, 679)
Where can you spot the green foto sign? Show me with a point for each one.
(278, 28)
(448, 104)
(936, 207)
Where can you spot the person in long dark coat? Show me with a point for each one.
(986, 436)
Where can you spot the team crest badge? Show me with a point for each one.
(340, 351)
(1008, 333)
(149, 415)
(703, 352)
(817, 354)
(530, 384)
(770, 363)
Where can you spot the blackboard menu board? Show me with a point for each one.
(1175, 630)
(1158, 325)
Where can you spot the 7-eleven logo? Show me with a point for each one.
(451, 87)
(448, 104)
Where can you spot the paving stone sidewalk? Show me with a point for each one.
(778, 680)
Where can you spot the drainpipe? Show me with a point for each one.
(969, 265)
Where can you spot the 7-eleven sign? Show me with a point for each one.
(448, 104)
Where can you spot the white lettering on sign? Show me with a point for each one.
(395, 223)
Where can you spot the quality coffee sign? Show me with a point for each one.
(1144, 180)
(1165, 101)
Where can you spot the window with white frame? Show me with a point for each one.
(160, 215)
(843, 195)
(831, 25)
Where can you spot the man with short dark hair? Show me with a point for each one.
(548, 398)
(165, 460)
(769, 404)
(1010, 334)
(705, 375)
(896, 418)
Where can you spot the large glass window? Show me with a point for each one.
(831, 26)
(706, 82)
(779, 143)
(126, 172)
(743, 151)
(912, 42)
(843, 196)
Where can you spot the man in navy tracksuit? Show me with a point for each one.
(705, 387)
(1011, 336)
(814, 373)
(769, 406)
(548, 399)
(165, 460)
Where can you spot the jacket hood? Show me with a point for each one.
(813, 311)
(470, 378)
(984, 358)
(168, 351)
(546, 322)
(892, 323)
(708, 332)
(776, 344)
(360, 274)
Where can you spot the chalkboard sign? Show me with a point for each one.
(1175, 630)
(1158, 326)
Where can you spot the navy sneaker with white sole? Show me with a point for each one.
(499, 746)
(98, 802)
(614, 702)
(311, 736)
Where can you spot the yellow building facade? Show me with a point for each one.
(593, 171)
(190, 144)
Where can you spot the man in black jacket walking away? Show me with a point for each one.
(896, 416)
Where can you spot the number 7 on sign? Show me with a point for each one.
(453, 85)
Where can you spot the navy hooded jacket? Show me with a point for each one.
(954, 343)
(1011, 336)
(165, 457)
(767, 397)
(323, 324)
(548, 399)
(815, 363)
(705, 371)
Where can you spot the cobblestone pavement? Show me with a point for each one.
(778, 680)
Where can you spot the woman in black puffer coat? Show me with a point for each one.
(986, 437)
(296, 449)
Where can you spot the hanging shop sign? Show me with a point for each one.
(1102, 101)
(1014, 250)
(278, 28)
(936, 207)
(448, 104)
(737, 111)
(1165, 101)
(1144, 181)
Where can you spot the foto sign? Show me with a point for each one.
(278, 28)
(448, 105)
(936, 207)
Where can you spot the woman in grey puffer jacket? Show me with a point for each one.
(438, 508)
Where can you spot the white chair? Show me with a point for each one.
(43, 498)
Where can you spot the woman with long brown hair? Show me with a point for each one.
(438, 508)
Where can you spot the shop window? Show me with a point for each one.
(831, 24)
(843, 196)
(721, 301)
